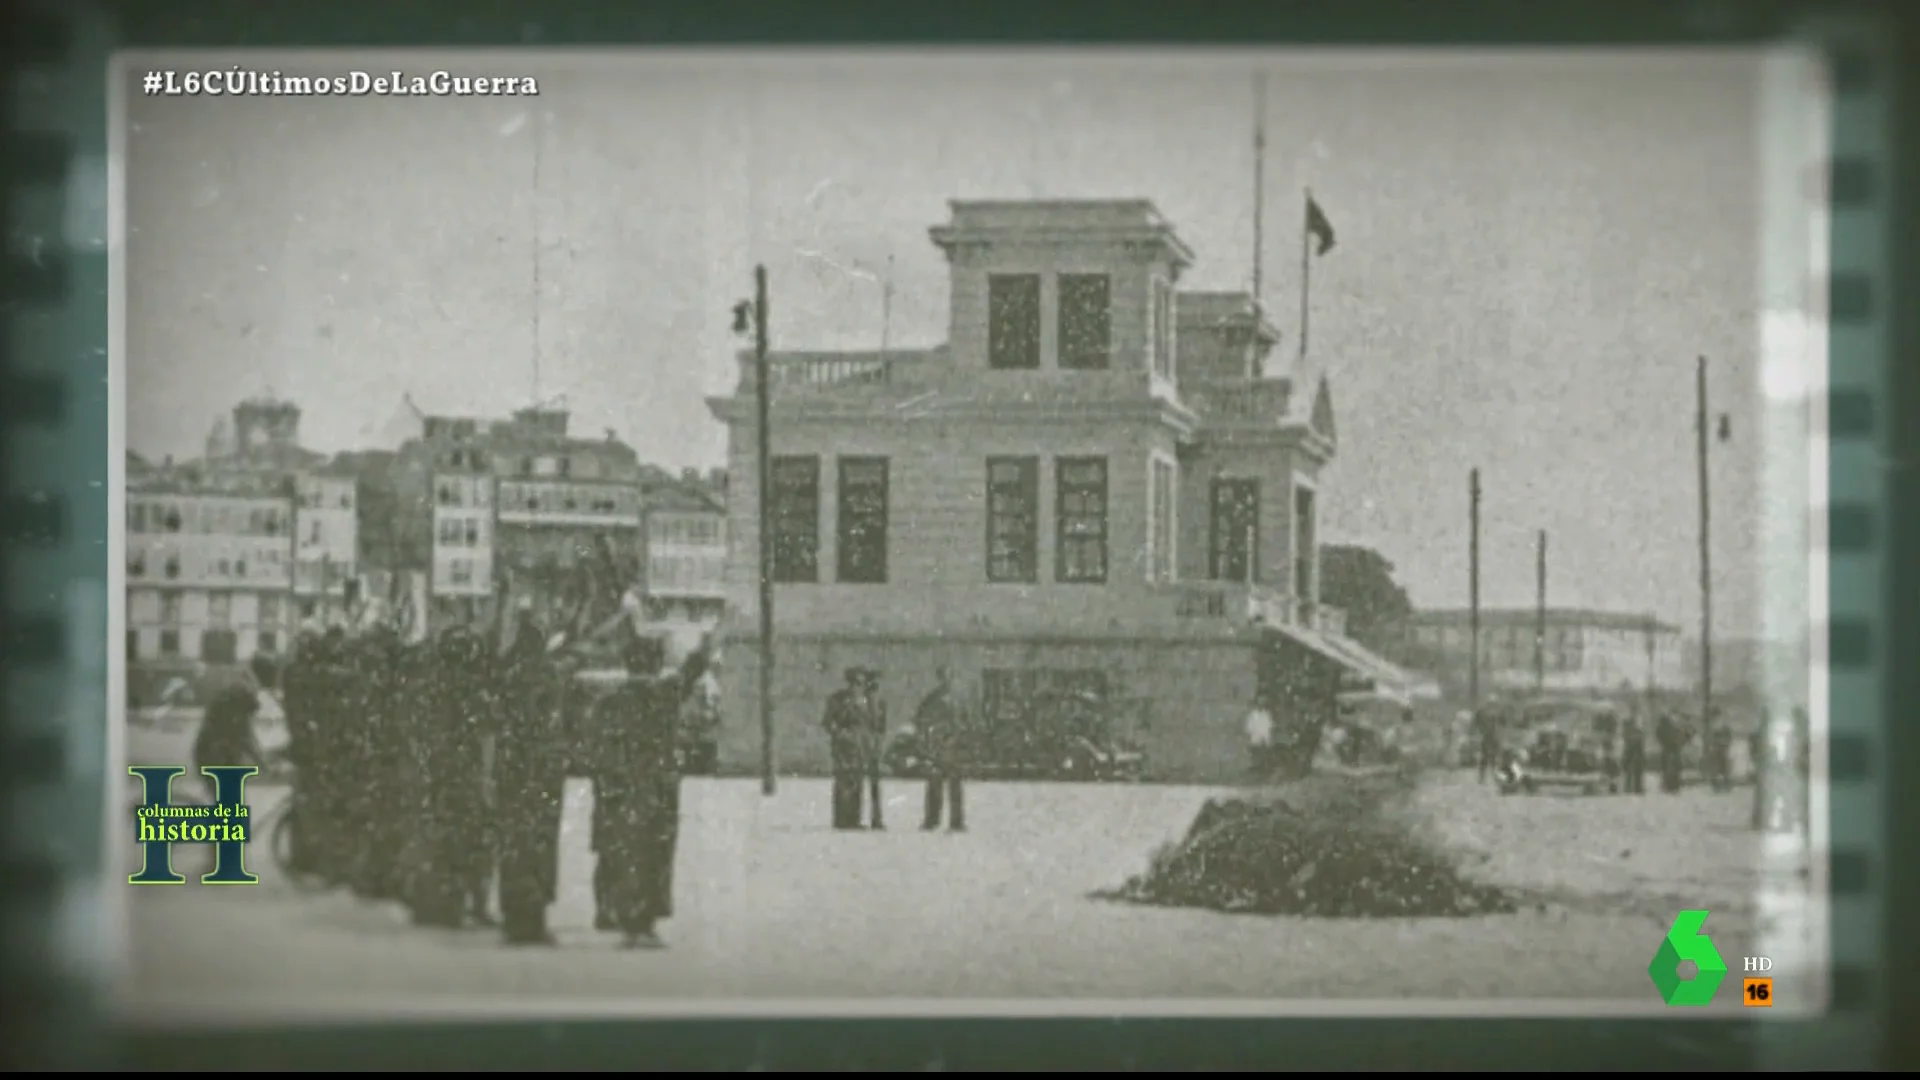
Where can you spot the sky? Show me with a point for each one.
(1532, 250)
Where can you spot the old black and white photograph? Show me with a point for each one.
(938, 532)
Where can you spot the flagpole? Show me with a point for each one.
(1259, 181)
(1306, 267)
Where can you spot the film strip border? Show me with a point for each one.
(53, 620)
(1838, 160)
(53, 613)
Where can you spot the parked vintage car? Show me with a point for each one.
(1560, 742)
(1059, 740)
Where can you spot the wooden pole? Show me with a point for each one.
(763, 442)
(1473, 590)
(1706, 547)
(1540, 614)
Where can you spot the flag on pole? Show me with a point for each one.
(1319, 227)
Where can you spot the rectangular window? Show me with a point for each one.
(1163, 342)
(1080, 520)
(1086, 322)
(862, 520)
(1307, 552)
(133, 646)
(269, 610)
(795, 510)
(170, 608)
(268, 643)
(460, 572)
(1013, 321)
(169, 643)
(1235, 554)
(1163, 516)
(219, 609)
(1013, 519)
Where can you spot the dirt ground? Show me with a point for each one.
(775, 908)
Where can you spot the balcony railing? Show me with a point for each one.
(830, 371)
(1239, 402)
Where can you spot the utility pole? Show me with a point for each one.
(763, 443)
(1706, 548)
(1540, 613)
(1473, 590)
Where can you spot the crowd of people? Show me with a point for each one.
(432, 773)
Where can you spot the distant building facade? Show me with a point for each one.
(686, 546)
(327, 539)
(1581, 652)
(479, 502)
(1095, 484)
(212, 545)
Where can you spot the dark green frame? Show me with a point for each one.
(56, 505)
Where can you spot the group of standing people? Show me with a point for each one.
(433, 773)
(857, 739)
(1769, 754)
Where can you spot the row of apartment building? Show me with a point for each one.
(229, 554)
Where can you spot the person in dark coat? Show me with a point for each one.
(1633, 756)
(1669, 737)
(1717, 754)
(447, 758)
(873, 746)
(391, 676)
(530, 773)
(846, 721)
(637, 779)
(942, 723)
(226, 735)
(1486, 732)
(300, 702)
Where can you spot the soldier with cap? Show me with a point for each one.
(637, 793)
(446, 737)
(873, 746)
(530, 772)
(846, 721)
(942, 722)
(388, 675)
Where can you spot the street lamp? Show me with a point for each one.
(751, 316)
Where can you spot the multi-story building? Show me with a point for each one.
(476, 502)
(1094, 483)
(1580, 652)
(211, 544)
(686, 545)
(327, 539)
(209, 564)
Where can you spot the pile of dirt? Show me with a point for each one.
(1332, 847)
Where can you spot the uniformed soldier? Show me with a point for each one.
(873, 746)
(530, 773)
(845, 720)
(943, 722)
(638, 783)
(300, 702)
(1669, 737)
(1633, 757)
(392, 675)
(447, 751)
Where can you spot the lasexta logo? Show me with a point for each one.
(1685, 941)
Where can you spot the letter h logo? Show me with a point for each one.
(157, 834)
